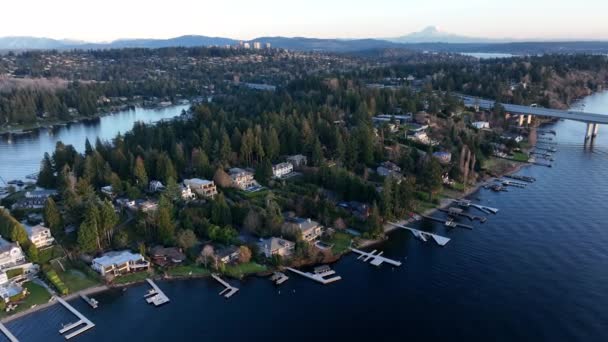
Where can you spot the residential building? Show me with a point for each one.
(147, 205)
(257, 45)
(8, 289)
(119, 262)
(108, 191)
(309, 229)
(39, 235)
(481, 124)
(44, 194)
(443, 157)
(156, 186)
(388, 168)
(164, 256)
(187, 193)
(276, 246)
(227, 255)
(202, 187)
(297, 160)
(242, 179)
(281, 170)
(10, 254)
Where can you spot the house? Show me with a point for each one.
(228, 255)
(297, 160)
(10, 254)
(281, 170)
(119, 262)
(481, 124)
(108, 191)
(309, 229)
(9, 289)
(187, 193)
(242, 179)
(29, 203)
(43, 194)
(202, 187)
(147, 205)
(164, 256)
(276, 246)
(443, 157)
(388, 168)
(358, 209)
(156, 186)
(39, 235)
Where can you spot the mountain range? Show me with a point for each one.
(428, 39)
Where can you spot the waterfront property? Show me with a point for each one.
(167, 256)
(308, 228)
(227, 255)
(281, 170)
(276, 246)
(70, 327)
(202, 187)
(155, 296)
(119, 262)
(39, 235)
(229, 289)
(242, 179)
(10, 254)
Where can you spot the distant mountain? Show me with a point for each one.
(433, 34)
(21, 43)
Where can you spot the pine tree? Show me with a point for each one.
(166, 226)
(108, 219)
(139, 171)
(46, 177)
(52, 217)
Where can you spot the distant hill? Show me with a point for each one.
(21, 43)
(433, 34)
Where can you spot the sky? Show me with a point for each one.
(105, 20)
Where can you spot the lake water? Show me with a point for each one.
(535, 271)
(487, 55)
(21, 155)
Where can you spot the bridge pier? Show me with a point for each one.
(521, 120)
(529, 119)
(589, 131)
(595, 129)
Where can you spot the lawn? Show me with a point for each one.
(238, 271)
(341, 242)
(131, 278)
(190, 270)
(520, 157)
(37, 295)
(47, 254)
(77, 280)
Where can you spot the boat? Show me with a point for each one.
(451, 223)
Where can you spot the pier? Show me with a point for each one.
(376, 259)
(229, 289)
(8, 334)
(82, 320)
(155, 296)
(457, 212)
(318, 277)
(279, 278)
(522, 178)
(447, 223)
(91, 301)
(466, 204)
(440, 240)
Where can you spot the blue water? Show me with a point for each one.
(487, 55)
(535, 271)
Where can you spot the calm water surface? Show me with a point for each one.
(536, 271)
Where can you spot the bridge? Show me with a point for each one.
(593, 120)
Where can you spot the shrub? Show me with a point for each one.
(56, 281)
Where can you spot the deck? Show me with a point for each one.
(229, 289)
(376, 259)
(318, 277)
(156, 296)
(440, 240)
(69, 327)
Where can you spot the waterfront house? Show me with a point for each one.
(297, 160)
(242, 179)
(276, 246)
(227, 255)
(165, 256)
(187, 194)
(39, 235)
(309, 229)
(202, 187)
(281, 170)
(43, 194)
(10, 254)
(9, 289)
(119, 262)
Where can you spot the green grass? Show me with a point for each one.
(77, 280)
(184, 271)
(131, 278)
(47, 254)
(238, 271)
(520, 157)
(340, 241)
(37, 295)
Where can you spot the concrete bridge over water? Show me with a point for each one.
(593, 120)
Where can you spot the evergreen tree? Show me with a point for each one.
(46, 177)
(166, 226)
(52, 217)
(139, 171)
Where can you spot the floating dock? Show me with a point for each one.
(155, 296)
(467, 204)
(376, 259)
(8, 334)
(229, 289)
(318, 277)
(515, 184)
(440, 240)
(444, 221)
(279, 278)
(522, 178)
(82, 320)
(91, 301)
(460, 213)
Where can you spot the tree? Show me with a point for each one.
(87, 236)
(252, 221)
(207, 254)
(186, 239)
(220, 211)
(46, 177)
(387, 202)
(108, 220)
(52, 217)
(32, 253)
(166, 226)
(173, 190)
(430, 177)
(139, 171)
(244, 254)
(222, 179)
(120, 239)
(263, 173)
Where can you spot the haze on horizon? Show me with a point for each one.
(108, 20)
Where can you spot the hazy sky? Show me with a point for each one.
(103, 20)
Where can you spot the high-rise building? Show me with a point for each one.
(257, 45)
(268, 45)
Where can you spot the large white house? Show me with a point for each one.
(39, 235)
(119, 262)
(309, 229)
(242, 179)
(202, 187)
(281, 170)
(10, 254)
(276, 246)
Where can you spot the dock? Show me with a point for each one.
(69, 327)
(522, 178)
(468, 204)
(229, 289)
(445, 222)
(376, 259)
(514, 184)
(440, 240)
(458, 212)
(155, 296)
(279, 278)
(7, 333)
(318, 277)
(91, 301)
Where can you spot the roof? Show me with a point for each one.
(6, 246)
(171, 252)
(306, 224)
(282, 165)
(35, 230)
(227, 251)
(275, 243)
(198, 181)
(117, 258)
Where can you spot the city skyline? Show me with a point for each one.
(113, 19)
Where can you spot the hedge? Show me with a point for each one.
(56, 281)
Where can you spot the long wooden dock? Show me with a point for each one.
(459, 212)
(8, 334)
(69, 327)
(440, 240)
(452, 223)
(318, 277)
(155, 296)
(376, 259)
(229, 289)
